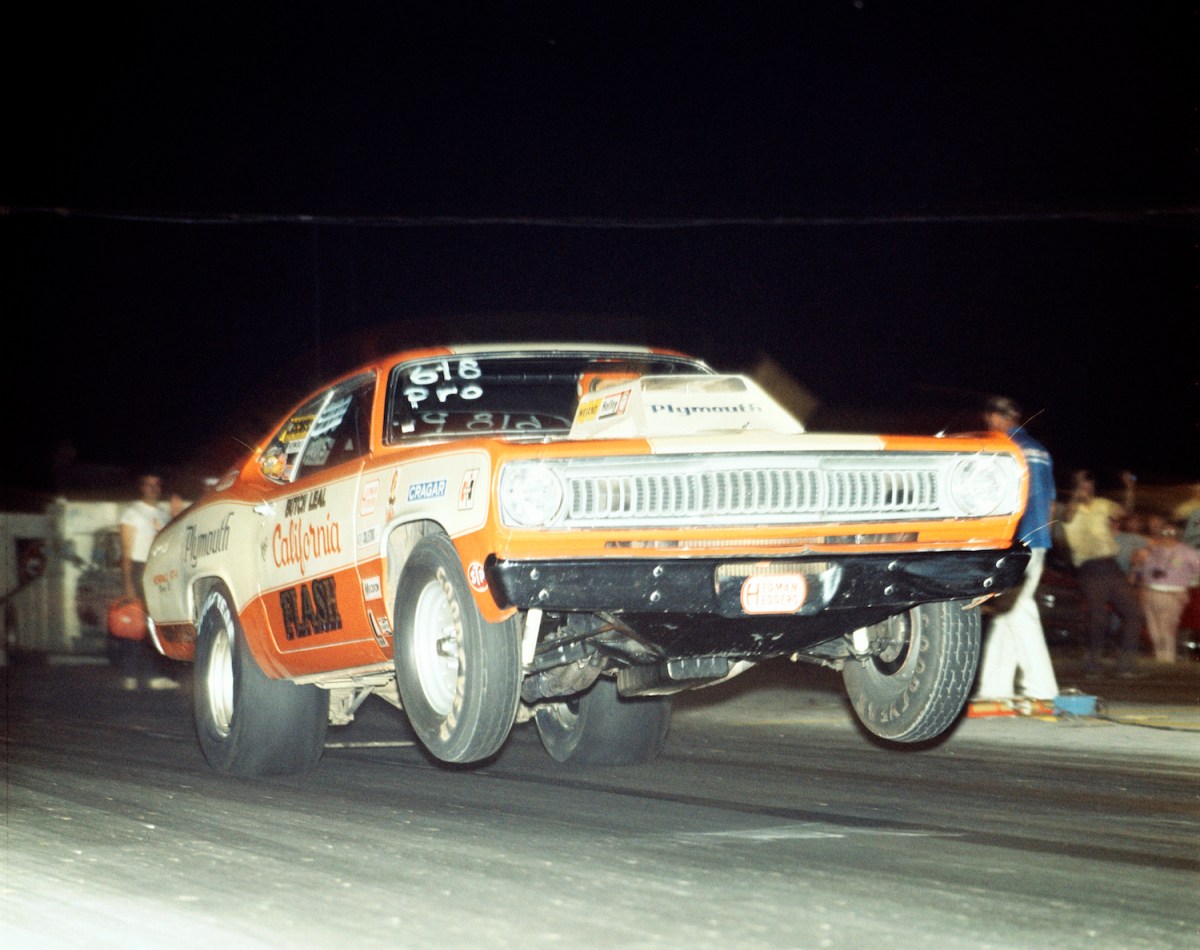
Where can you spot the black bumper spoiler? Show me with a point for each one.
(715, 585)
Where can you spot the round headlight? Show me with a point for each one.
(978, 486)
(530, 495)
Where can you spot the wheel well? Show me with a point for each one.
(400, 542)
(201, 588)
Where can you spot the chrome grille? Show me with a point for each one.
(749, 493)
(778, 488)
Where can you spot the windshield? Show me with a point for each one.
(508, 393)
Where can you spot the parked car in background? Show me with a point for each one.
(568, 535)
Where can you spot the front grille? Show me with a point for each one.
(759, 490)
(750, 494)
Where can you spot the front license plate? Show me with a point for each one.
(773, 593)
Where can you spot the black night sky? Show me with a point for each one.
(208, 209)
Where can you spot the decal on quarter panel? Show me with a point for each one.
(310, 609)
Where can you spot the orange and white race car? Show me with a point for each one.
(483, 535)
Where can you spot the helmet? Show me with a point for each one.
(127, 619)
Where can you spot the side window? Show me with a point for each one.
(326, 431)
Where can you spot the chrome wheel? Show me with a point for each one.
(218, 680)
(459, 676)
(436, 648)
(248, 723)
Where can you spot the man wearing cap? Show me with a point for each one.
(1016, 644)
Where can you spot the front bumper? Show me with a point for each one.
(715, 586)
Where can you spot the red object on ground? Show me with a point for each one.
(127, 619)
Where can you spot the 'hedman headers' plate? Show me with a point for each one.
(773, 593)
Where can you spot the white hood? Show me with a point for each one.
(657, 406)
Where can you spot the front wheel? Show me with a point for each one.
(459, 676)
(599, 727)
(915, 688)
(249, 724)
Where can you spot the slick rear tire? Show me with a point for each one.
(249, 724)
(599, 727)
(459, 676)
(915, 689)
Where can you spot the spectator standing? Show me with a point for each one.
(1188, 513)
(140, 522)
(1088, 527)
(1132, 535)
(1169, 570)
(1015, 648)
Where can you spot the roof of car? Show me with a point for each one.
(557, 348)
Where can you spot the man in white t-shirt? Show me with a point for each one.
(140, 522)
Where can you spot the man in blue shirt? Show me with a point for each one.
(1016, 665)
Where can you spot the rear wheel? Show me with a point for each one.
(249, 724)
(459, 676)
(599, 727)
(915, 689)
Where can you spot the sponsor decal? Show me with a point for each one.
(200, 544)
(309, 501)
(669, 408)
(391, 508)
(380, 628)
(588, 410)
(613, 405)
(296, 429)
(368, 498)
(773, 593)
(310, 609)
(299, 543)
(368, 536)
(372, 588)
(164, 580)
(466, 493)
(427, 491)
(476, 577)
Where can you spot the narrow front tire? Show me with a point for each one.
(459, 676)
(914, 690)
